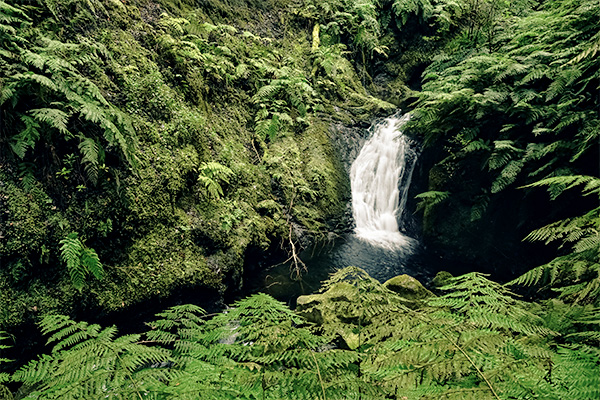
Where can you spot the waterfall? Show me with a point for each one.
(385, 162)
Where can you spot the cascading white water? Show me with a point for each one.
(385, 160)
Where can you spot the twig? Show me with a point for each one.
(297, 264)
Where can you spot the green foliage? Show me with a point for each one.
(88, 86)
(46, 92)
(92, 157)
(520, 111)
(403, 9)
(4, 377)
(88, 361)
(358, 19)
(211, 175)
(576, 273)
(283, 103)
(431, 198)
(80, 260)
(476, 341)
(529, 87)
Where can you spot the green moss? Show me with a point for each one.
(24, 220)
(185, 75)
(407, 287)
(442, 278)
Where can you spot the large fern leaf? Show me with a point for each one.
(70, 252)
(91, 157)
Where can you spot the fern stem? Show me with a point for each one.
(318, 374)
(459, 348)
(129, 374)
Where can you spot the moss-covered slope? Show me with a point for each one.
(169, 137)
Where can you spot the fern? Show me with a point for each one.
(479, 207)
(90, 261)
(431, 198)
(64, 100)
(211, 176)
(283, 102)
(88, 361)
(404, 8)
(4, 377)
(80, 260)
(476, 341)
(507, 176)
(579, 271)
(53, 117)
(27, 138)
(92, 156)
(557, 185)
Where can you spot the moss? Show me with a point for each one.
(188, 89)
(407, 287)
(24, 220)
(442, 278)
(28, 301)
(155, 264)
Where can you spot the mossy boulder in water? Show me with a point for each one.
(442, 278)
(407, 287)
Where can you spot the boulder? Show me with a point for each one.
(442, 278)
(407, 287)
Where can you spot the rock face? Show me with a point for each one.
(407, 287)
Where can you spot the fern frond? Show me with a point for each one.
(91, 262)
(80, 260)
(27, 138)
(431, 198)
(91, 157)
(70, 252)
(476, 145)
(210, 177)
(592, 184)
(479, 206)
(507, 176)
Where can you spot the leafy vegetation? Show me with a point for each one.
(576, 274)
(151, 130)
(506, 116)
(475, 341)
(173, 141)
(80, 260)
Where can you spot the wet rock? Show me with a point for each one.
(442, 278)
(407, 287)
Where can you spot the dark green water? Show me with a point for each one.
(324, 258)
